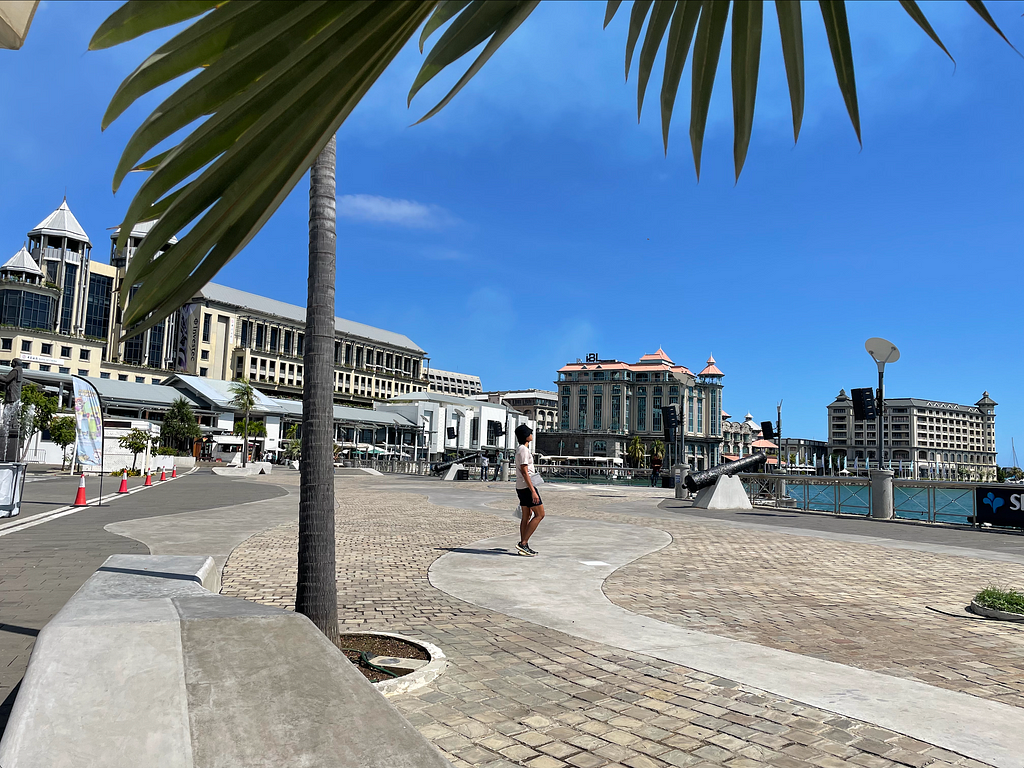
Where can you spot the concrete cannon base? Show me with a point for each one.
(726, 493)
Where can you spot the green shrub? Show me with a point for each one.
(131, 472)
(1009, 600)
(169, 452)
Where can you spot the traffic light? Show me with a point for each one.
(670, 420)
(863, 404)
(767, 430)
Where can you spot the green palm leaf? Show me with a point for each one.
(273, 80)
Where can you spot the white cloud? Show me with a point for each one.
(389, 210)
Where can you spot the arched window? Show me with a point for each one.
(931, 456)
(922, 455)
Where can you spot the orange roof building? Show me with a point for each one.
(604, 402)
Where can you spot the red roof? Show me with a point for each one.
(763, 444)
(659, 355)
(657, 359)
(711, 369)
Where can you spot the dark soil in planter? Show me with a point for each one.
(378, 645)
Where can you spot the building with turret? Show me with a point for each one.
(604, 403)
(929, 438)
(59, 313)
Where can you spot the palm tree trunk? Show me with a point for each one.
(317, 592)
(245, 439)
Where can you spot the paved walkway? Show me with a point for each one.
(42, 566)
(526, 689)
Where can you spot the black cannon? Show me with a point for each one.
(699, 480)
(443, 466)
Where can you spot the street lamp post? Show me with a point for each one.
(881, 352)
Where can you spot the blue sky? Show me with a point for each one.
(533, 221)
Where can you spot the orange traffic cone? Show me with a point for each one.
(163, 474)
(124, 483)
(174, 472)
(149, 479)
(80, 496)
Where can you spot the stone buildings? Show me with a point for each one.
(603, 403)
(540, 405)
(452, 383)
(930, 437)
(59, 313)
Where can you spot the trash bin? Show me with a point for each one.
(667, 481)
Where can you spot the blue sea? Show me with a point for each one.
(939, 505)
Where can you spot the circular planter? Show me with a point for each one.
(992, 613)
(417, 678)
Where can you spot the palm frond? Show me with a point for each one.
(273, 80)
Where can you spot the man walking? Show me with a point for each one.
(527, 480)
(484, 464)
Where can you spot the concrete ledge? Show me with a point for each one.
(357, 471)
(145, 666)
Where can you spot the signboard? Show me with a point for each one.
(1000, 505)
(88, 424)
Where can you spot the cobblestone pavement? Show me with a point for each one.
(519, 694)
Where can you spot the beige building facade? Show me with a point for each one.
(929, 437)
(59, 313)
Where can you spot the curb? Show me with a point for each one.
(992, 613)
(417, 679)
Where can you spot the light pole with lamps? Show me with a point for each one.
(881, 352)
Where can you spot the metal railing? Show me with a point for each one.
(554, 473)
(391, 466)
(932, 501)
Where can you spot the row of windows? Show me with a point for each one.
(27, 310)
(615, 376)
(45, 367)
(45, 349)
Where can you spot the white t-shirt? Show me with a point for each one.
(484, 461)
(523, 456)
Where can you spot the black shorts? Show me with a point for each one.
(526, 498)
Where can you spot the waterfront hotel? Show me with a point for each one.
(60, 315)
(923, 434)
(605, 402)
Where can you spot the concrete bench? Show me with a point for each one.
(146, 666)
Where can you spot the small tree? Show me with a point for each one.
(255, 429)
(37, 409)
(294, 450)
(244, 400)
(180, 428)
(636, 450)
(62, 432)
(135, 441)
(657, 449)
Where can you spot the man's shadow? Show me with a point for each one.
(468, 551)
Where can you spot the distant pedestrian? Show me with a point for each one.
(484, 464)
(655, 471)
(527, 480)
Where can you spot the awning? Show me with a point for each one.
(730, 457)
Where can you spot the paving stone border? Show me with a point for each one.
(425, 675)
